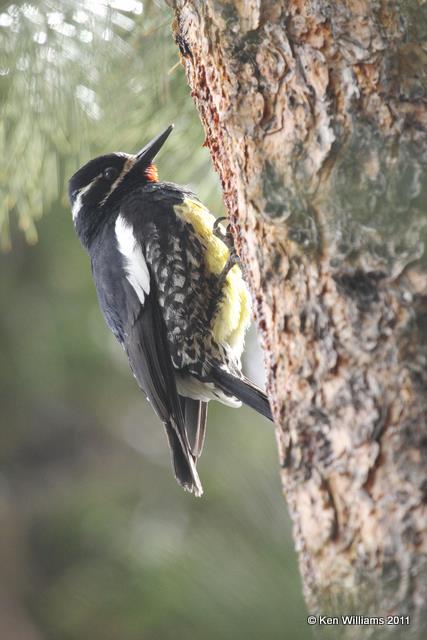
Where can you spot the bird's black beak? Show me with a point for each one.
(149, 152)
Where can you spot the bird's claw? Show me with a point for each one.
(227, 238)
(217, 230)
(233, 259)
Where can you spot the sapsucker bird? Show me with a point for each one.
(169, 291)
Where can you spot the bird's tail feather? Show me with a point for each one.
(244, 390)
(195, 414)
(183, 463)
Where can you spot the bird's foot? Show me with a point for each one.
(233, 259)
(227, 238)
(217, 230)
(224, 235)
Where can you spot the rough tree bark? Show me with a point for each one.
(316, 118)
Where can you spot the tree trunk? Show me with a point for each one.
(315, 115)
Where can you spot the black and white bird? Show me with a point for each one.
(170, 291)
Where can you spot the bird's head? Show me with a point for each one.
(97, 186)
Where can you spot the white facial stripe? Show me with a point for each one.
(78, 201)
(126, 168)
(135, 265)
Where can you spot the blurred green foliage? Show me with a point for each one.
(96, 539)
(80, 78)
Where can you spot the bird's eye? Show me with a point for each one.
(111, 173)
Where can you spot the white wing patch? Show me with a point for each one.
(135, 265)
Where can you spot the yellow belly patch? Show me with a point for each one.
(234, 314)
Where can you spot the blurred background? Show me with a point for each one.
(96, 538)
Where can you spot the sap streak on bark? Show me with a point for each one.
(315, 114)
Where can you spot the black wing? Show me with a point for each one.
(160, 233)
(141, 330)
(147, 349)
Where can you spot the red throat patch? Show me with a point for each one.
(151, 173)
